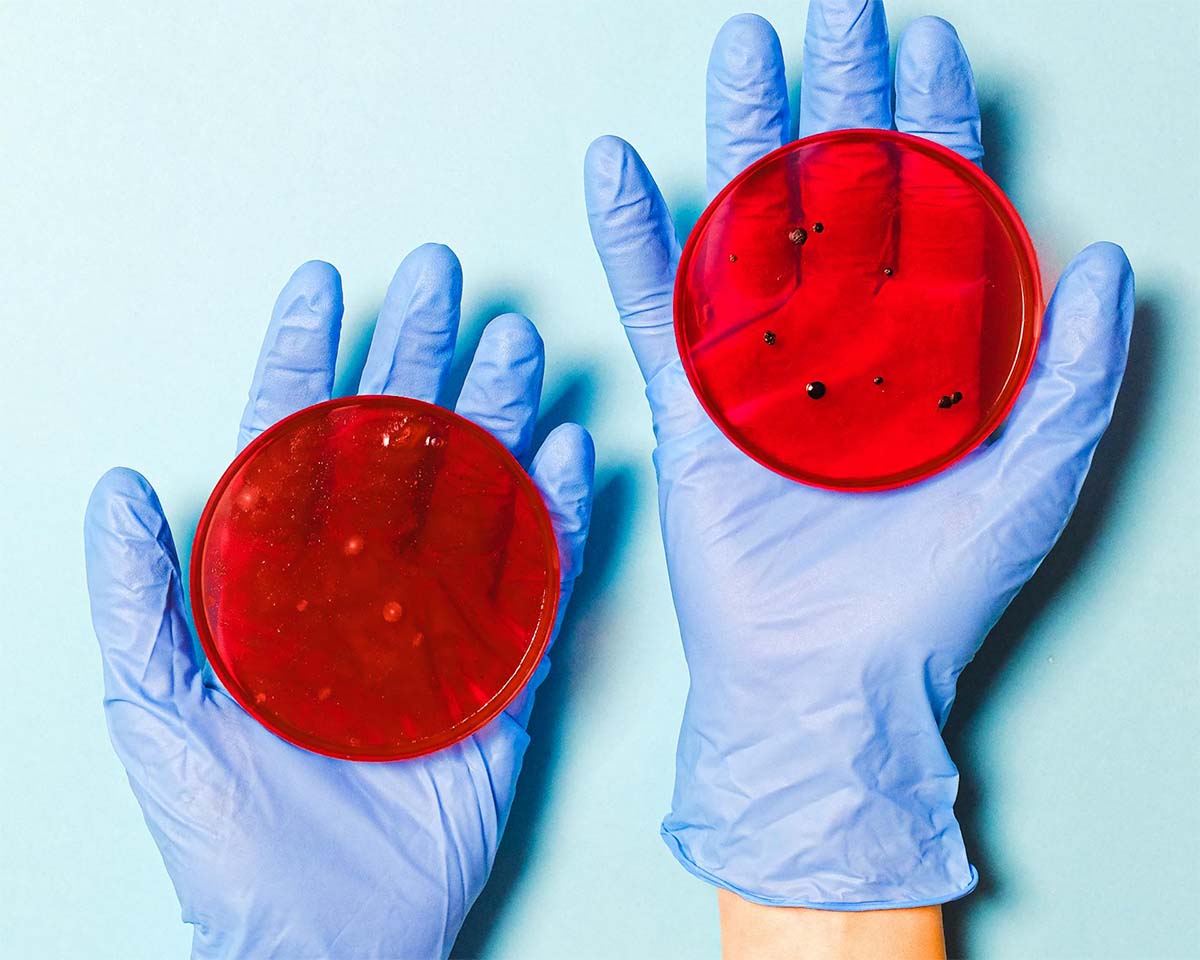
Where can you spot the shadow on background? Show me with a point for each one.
(579, 646)
(353, 345)
(999, 137)
(1002, 649)
(1001, 142)
(686, 207)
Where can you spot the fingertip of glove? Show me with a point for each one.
(745, 26)
(434, 256)
(1090, 316)
(568, 447)
(1104, 270)
(119, 483)
(316, 272)
(745, 47)
(513, 337)
(928, 35)
(314, 289)
(430, 261)
(929, 49)
(1107, 260)
(564, 470)
(834, 19)
(122, 501)
(316, 276)
(603, 149)
(605, 161)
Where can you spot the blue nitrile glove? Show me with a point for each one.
(825, 632)
(276, 852)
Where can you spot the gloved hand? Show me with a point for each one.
(274, 851)
(824, 631)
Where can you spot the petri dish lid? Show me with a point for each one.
(858, 309)
(374, 578)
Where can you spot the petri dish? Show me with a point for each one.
(858, 309)
(374, 578)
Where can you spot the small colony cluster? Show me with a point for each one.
(816, 389)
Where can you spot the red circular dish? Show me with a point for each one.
(374, 578)
(859, 309)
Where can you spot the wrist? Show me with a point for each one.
(752, 930)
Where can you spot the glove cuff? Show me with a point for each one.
(846, 905)
(839, 798)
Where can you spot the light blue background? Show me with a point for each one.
(164, 170)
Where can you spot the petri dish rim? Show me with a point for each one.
(537, 648)
(1032, 305)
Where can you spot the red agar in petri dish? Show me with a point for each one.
(374, 578)
(859, 309)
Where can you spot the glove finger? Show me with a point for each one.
(413, 345)
(634, 235)
(935, 88)
(504, 385)
(295, 365)
(1042, 457)
(845, 81)
(747, 98)
(564, 471)
(151, 681)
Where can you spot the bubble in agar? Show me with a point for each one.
(417, 578)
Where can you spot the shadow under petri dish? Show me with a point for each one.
(374, 578)
(859, 309)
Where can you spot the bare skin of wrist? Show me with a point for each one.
(750, 931)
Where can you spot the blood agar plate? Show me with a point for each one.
(374, 578)
(858, 309)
